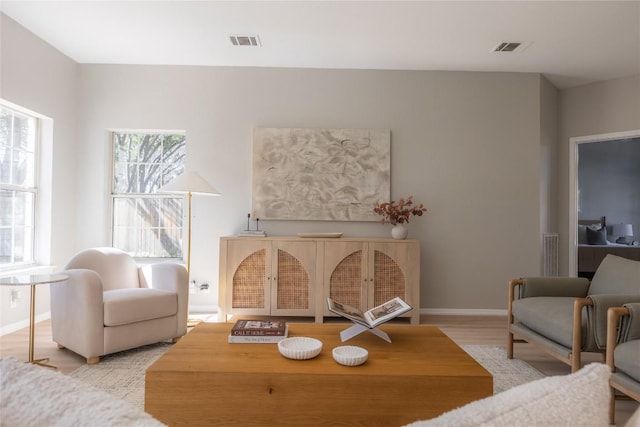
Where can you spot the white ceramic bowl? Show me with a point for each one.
(350, 355)
(300, 348)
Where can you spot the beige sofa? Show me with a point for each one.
(110, 304)
(578, 399)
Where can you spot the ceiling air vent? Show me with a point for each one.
(515, 47)
(245, 40)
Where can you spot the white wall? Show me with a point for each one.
(466, 144)
(35, 76)
(548, 162)
(474, 147)
(600, 108)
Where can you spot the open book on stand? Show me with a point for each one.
(374, 317)
(370, 318)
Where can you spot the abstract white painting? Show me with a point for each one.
(320, 174)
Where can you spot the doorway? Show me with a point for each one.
(576, 201)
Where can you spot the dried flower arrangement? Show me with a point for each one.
(398, 212)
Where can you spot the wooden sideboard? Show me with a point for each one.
(293, 276)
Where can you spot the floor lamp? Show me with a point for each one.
(189, 183)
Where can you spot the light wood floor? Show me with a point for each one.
(478, 330)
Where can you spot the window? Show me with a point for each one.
(146, 224)
(19, 192)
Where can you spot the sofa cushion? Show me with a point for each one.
(549, 316)
(616, 276)
(116, 268)
(627, 359)
(578, 399)
(37, 396)
(124, 306)
(634, 421)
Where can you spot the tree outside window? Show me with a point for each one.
(147, 224)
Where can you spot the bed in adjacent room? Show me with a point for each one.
(593, 246)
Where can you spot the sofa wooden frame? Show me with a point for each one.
(574, 360)
(614, 314)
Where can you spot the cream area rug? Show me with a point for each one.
(122, 374)
(506, 373)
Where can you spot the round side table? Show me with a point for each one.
(32, 281)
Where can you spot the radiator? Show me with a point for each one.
(550, 254)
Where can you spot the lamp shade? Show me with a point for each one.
(189, 182)
(622, 230)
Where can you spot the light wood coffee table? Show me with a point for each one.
(203, 380)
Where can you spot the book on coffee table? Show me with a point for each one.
(373, 317)
(255, 339)
(258, 331)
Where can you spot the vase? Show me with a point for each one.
(399, 232)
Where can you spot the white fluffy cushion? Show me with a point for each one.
(580, 399)
(37, 396)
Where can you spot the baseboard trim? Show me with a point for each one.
(211, 309)
(463, 311)
(13, 327)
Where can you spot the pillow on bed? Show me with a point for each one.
(582, 234)
(597, 237)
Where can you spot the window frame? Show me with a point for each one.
(113, 195)
(35, 191)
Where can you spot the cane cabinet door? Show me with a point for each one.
(248, 276)
(345, 273)
(393, 272)
(293, 278)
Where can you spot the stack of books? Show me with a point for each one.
(258, 331)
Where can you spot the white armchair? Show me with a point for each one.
(110, 304)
